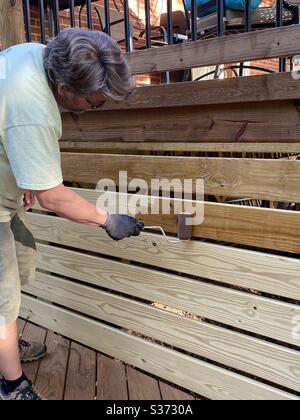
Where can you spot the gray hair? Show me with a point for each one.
(86, 62)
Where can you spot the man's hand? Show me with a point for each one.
(28, 200)
(120, 227)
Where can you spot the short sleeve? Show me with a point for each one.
(34, 156)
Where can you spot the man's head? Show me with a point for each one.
(85, 68)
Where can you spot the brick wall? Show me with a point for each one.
(267, 64)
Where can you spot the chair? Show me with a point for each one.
(234, 22)
(261, 18)
(180, 28)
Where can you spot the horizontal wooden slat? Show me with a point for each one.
(255, 122)
(259, 227)
(268, 361)
(255, 45)
(118, 147)
(264, 272)
(250, 312)
(201, 377)
(256, 178)
(268, 87)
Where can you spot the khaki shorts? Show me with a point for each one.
(18, 258)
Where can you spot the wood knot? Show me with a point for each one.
(12, 3)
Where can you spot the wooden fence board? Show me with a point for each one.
(276, 180)
(133, 147)
(267, 87)
(255, 45)
(249, 312)
(253, 122)
(263, 272)
(196, 375)
(259, 227)
(262, 359)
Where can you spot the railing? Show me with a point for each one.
(201, 21)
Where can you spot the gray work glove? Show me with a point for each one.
(120, 226)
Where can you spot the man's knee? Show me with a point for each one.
(9, 311)
(10, 293)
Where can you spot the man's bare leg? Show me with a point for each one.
(10, 365)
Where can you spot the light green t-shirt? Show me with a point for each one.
(30, 127)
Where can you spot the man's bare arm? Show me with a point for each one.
(70, 205)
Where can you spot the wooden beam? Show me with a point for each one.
(118, 147)
(277, 180)
(11, 23)
(253, 122)
(264, 272)
(166, 363)
(267, 317)
(259, 227)
(259, 358)
(268, 87)
(270, 43)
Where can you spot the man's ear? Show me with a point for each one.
(61, 90)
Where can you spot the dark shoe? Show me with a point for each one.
(30, 352)
(24, 392)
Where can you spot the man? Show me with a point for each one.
(77, 71)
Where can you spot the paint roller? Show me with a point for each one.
(184, 230)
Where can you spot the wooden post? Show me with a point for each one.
(11, 23)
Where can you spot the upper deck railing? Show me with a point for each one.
(197, 20)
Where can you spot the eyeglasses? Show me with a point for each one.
(93, 106)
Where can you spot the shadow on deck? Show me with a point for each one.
(71, 371)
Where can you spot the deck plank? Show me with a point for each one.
(142, 386)
(72, 375)
(33, 333)
(51, 375)
(81, 374)
(112, 383)
(170, 393)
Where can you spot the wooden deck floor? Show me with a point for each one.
(71, 371)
